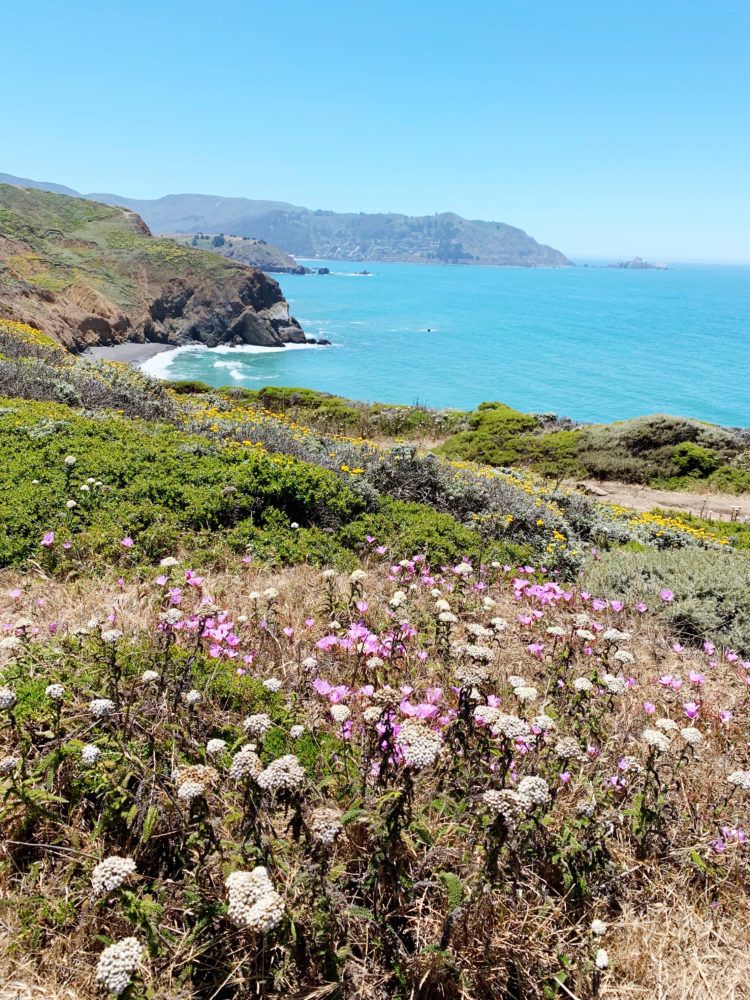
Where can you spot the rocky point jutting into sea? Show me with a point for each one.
(93, 275)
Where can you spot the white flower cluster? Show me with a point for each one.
(111, 636)
(486, 714)
(656, 740)
(193, 781)
(556, 632)
(526, 693)
(254, 904)
(257, 725)
(245, 764)
(110, 873)
(567, 748)
(7, 699)
(56, 692)
(273, 684)
(325, 824)
(667, 725)
(615, 635)
(171, 616)
(190, 790)
(532, 791)
(510, 727)
(297, 731)
(284, 774)
(215, 746)
(479, 631)
(9, 764)
(504, 802)
(358, 576)
(471, 674)
(480, 654)
(691, 735)
(543, 722)
(582, 684)
(117, 963)
(193, 697)
(420, 745)
(740, 779)
(149, 677)
(598, 928)
(613, 684)
(101, 707)
(624, 657)
(90, 754)
(340, 713)
(602, 959)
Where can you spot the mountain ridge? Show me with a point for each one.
(318, 233)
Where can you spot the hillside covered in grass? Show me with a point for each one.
(289, 707)
(92, 274)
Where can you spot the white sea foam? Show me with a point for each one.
(159, 365)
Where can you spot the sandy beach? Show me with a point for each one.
(133, 354)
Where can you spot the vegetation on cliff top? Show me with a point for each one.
(89, 273)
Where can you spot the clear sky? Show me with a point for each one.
(605, 129)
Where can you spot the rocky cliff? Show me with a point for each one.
(91, 274)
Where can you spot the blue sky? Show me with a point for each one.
(604, 129)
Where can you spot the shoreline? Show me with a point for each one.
(128, 353)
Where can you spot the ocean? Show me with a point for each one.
(591, 343)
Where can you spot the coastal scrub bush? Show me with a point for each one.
(414, 527)
(711, 590)
(651, 448)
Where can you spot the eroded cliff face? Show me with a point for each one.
(92, 275)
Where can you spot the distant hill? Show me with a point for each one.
(91, 274)
(442, 238)
(254, 253)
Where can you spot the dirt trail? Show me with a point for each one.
(715, 506)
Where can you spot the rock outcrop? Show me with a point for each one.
(91, 274)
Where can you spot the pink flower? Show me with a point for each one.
(362, 606)
(127, 542)
(49, 539)
(617, 606)
(649, 708)
(15, 593)
(695, 678)
(666, 595)
(565, 777)
(67, 545)
(288, 631)
(709, 648)
(677, 647)
(725, 716)
(641, 607)
(598, 604)
(691, 709)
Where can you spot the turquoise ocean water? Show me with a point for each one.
(588, 342)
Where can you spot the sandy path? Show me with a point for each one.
(716, 506)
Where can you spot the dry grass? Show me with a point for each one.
(672, 932)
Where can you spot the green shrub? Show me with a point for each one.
(711, 590)
(412, 528)
(694, 460)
